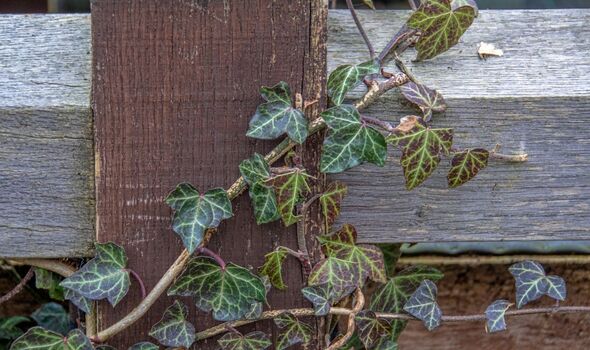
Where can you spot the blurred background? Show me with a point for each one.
(61, 6)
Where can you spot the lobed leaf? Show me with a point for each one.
(251, 341)
(391, 253)
(290, 189)
(422, 305)
(321, 296)
(330, 202)
(173, 329)
(53, 317)
(272, 267)
(428, 100)
(421, 150)
(39, 338)
(441, 23)
(532, 283)
(276, 116)
(229, 293)
(195, 212)
(346, 77)
(340, 275)
(350, 141)
(104, 277)
(494, 313)
(256, 308)
(9, 327)
(371, 328)
(292, 332)
(146, 345)
(255, 171)
(81, 302)
(48, 280)
(466, 164)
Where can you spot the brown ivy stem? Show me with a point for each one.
(385, 125)
(210, 253)
(139, 281)
(396, 41)
(377, 89)
(18, 288)
(413, 4)
(360, 28)
(358, 306)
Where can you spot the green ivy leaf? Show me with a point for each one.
(53, 317)
(350, 141)
(428, 100)
(392, 296)
(346, 77)
(173, 329)
(391, 253)
(340, 275)
(371, 328)
(228, 292)
(290, 189)
(9, 327)
(251, 341)
(272, 267)
(466, 164)
(255, 171)
(441, 25)
(532, 283)
(369, 4)
(495, 315)
(330, 202)
(422, 305)
(292, 332)
(321, 296)
(107, 347)
(367, 259)
(105, 276)
(48, 280)
(39, 338)
(195, 212)
(276, 116)
(146, 345)
(81, 302)
(384, 343)
(256, 308)
(421, 150)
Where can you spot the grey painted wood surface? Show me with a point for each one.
(535, 99)
(46, 157)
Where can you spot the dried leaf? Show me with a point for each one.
(290, 189)
(485, 50)
(422, 305)
(251, 341)
(292, 332)
(346, 77)
(466, 164)
(428, 100)
(331, 200)
(495, 315)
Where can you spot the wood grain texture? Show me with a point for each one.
(535, 100)
(174, 88)
(46, 166)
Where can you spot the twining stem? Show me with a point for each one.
(358, 306)
(221, 328)
(360, 28)
(56, 266)
(210, 253)
(18, 288)
(385, 125)
(139, 281)
(401, 36)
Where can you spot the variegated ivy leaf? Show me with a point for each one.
(367, 259)
(369, 4)
(371, 328)
(392, 296)
(350, 141)
(146, 345)
(455, 4)
(441, 25)
(421, 147)
(466, 164)
(53, 317)
(428, 100)
(9, 327)
(385, 343)
(39, 338)
(273, 266)
(48, 280)
(495, 321)
(532, 283)
(422, 305)
(346, 77)
(251, 341)
(292, 332)
(195, 212)
(81, 302)
(290, 189)
(105, 276)
(255, 171)
(106, 347)
(256, 308)
(229, 293)
(340, 275)
(391, 253)
(321, 296)
(277, 116)
(173, 329)
(330, 202)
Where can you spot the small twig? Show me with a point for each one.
(56, 266)
(139, 281)
(516, 158)
(473, 260)
(378, 89)
(281, 170)
(402, 67)
(210, 253)
(385, 125)
(360, 28)
(396, 41)
(18, 288)
(358, 306)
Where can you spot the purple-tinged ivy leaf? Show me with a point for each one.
(39, 338)
(421, 147)
(422, 305)
(428, 100)
(290, 189)
(495, 321)
(531, 282)
(195, 212)
(391, 253)
(556, 288)
(292, 332)
(82, 303)
(330, 202)
(371, 328)
(367, 259)
(441, 25)
(466, 164)
(321, 296)
(53, 317)
(273, 267)
(346, 77)
(340, 275)
(173, 329)
(104, 277)
(251, 341)
(9, 327)
(146, 345)
(229, 293)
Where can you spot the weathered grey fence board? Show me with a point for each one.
(535, 99)
(46, 157)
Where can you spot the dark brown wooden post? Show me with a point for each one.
(174, 85)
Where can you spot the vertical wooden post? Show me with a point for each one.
(174, 85)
